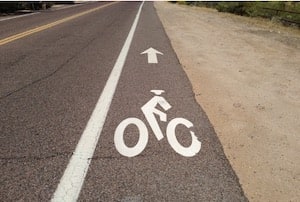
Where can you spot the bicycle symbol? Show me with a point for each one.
(149, 110)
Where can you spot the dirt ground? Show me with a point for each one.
(246, 75)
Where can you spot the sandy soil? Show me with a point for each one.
(246, 75)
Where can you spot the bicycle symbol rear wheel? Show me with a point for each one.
(119, 137)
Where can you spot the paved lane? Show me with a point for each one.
(55, 78)
(23, 23)
(50, 83)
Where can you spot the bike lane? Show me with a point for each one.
(158, 173)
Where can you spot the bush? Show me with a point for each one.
(273, 9)
(9, 7)
(288, 12)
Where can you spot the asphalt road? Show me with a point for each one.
(50, 83)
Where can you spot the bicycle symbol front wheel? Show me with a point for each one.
(119, 137)
(189, 151)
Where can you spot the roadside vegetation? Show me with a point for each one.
(9, 7)
(287, 13)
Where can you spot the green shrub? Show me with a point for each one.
(283, 11)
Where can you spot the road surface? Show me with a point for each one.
(68, 84)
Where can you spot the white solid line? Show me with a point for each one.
(62, 7)
(19, 16)
(72, 180)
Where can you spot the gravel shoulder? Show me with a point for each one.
(246, 75)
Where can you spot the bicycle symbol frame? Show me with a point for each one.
(149, 110)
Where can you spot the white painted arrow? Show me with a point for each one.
(152, 55)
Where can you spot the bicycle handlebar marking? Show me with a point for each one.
(149, 110)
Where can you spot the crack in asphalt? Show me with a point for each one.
(38, 80)
(60, 67)
(34, 158)
(52, 73)
(155, 153)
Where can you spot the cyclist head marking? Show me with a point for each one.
(157, 92)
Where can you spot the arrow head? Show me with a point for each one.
(151, 51)
(152, 55)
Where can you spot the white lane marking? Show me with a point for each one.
(150, 110)
(189, 151)
(64, 6)
(19, 16)
(51, 9)
(119, 137)
(71, 182)
(152, 55)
